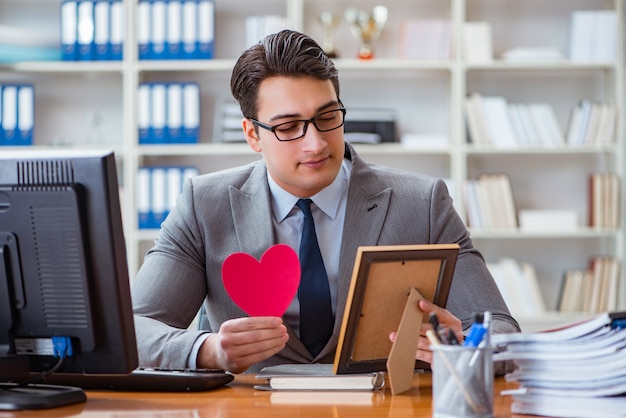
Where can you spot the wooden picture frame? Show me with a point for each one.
(382, 280)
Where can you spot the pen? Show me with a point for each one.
(435, 341)
(477, 332)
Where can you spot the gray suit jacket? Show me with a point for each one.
(229, 211)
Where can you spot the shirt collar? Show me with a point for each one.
(327, 199)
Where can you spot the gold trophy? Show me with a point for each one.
(329, 22)
(367, 27)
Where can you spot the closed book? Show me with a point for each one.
(317, 377)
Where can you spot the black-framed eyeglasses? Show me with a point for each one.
(296, 129)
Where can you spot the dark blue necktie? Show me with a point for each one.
(316, 315)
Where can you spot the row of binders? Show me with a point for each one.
(592, 290)
(169, 113)
(492, 121)
(157, 191)
(92, 30)
(17, 114)
(176, 29)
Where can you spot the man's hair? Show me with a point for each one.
(286, 53)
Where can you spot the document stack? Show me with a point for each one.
(17, 119)
(157, 191)
(92, 30)
(176, 29)
(575, 371)
(169, 113)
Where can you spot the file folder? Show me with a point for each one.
(9, 114)
(206, 28)
(25, 115)
(158, 194)
(143, 29)
(174, 186)
(158, 23)
(190, 30)
(191, 113)
(85, 30)
(174, 113)
(69, 30)
(158, 102)
(1, 117)
(143, 114)
(173, 39)
(143, 197)
(102, 36)
(117, 30)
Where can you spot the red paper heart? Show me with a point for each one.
(264, 288)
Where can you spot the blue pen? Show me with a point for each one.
(477, 332)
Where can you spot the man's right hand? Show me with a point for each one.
(243, 342)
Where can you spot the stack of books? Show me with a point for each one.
(575, 371)
(592, 290)
(604, 200)
(425, 40)
(490, 203)
(593, 35)
(592, 124)
(519, 286)
(491, 120)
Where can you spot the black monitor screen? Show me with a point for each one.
(63, 268)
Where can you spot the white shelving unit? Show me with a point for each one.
(93, 104)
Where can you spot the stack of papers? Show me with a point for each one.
(575, 371)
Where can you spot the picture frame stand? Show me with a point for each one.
(401, 360)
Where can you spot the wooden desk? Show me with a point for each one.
(239, 399)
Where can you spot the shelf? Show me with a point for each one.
(517, 234)
(525, 151)
(426, 96)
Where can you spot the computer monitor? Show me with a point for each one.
(63, 270)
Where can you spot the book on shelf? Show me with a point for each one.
(257, 27)
(576, 370)
(491, 120)
(593, 289)
(519, 286)
(592, 123)
(604, 200)
(490, 202)
(593, 36)
(477, 43)
(425, 39)
(319, 377)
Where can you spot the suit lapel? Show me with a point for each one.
(252, 213)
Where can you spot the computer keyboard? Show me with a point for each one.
(146, 380)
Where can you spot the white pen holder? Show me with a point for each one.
(462, 381)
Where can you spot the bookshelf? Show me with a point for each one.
(93, 104)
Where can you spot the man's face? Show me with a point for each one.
(304, 166)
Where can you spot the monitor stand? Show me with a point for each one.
(14, 397)
(36, 396)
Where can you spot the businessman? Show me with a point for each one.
(308, 180)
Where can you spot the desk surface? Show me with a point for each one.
(240, 399)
